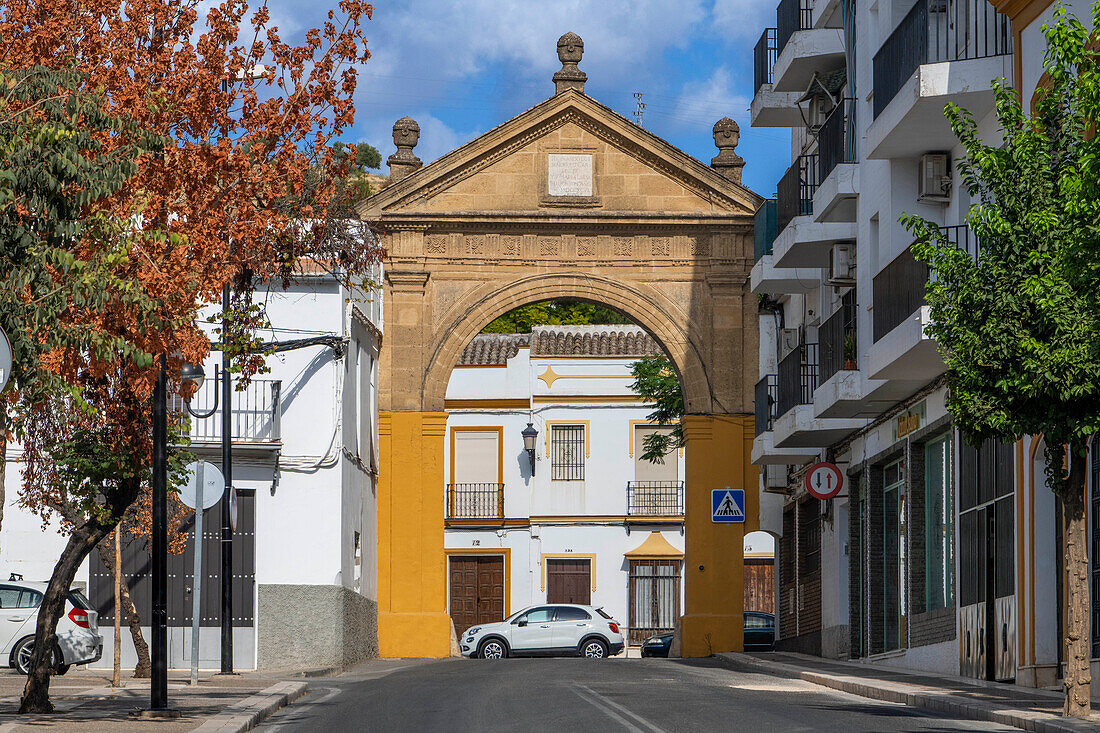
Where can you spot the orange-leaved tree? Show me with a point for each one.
(242, 190)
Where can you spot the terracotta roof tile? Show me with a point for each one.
(492, 349)
(610, 341)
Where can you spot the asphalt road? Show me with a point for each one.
(635, 695)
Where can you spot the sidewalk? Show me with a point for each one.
(1006, 704)
(85, 702)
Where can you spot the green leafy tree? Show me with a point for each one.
(656, 382)
(1018, 322)
(560, 312)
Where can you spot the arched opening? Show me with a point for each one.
(557, 464)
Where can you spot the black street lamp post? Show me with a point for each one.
(158, 687)
(227, 471)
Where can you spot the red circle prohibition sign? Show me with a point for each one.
(824, 480)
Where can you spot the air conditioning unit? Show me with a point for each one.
(842, 264)
(775, 478)
(934, 184)
(788, 341)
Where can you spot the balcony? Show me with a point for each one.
(803, 242)
(769, 107)
(478, 501)
(255, 420)
(838, 174)
(795, 425)
(802, 49)
(942, 50)
(842, 391)
(902, 349)
(766, 278)
(764, 452)
(655, 498)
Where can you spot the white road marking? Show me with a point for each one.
(300, 707)
(610, 707)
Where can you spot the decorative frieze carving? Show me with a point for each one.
(658, 246)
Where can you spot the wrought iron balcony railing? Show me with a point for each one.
(797, 378)
(765, 399)
(475, 501)
(898, 292)
(935, 31)
(837, 337)
(655, 498)
(796, 191)
(763, 60)
(791, 16)
(256, 413)
(836, 139)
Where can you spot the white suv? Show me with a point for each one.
(544, 630)
(78, 639)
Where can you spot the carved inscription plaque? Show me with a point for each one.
(570, 175)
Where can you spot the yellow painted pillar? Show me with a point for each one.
(718, 456)
(412, 581)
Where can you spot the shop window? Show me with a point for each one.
(939, 530)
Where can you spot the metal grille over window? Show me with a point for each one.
(567, 453)
(654, 597)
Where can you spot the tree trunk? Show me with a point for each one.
(133, 619)
(3, 467)
(1078, 677)
(36, 694)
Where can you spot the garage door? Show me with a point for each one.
(568, 581)
(477, 590)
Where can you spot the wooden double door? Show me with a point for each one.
(477, 590)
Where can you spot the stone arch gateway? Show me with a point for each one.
(567, 199)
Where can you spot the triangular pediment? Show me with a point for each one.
(567, 155)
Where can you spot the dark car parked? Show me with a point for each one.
(759, 636)
(759, 631)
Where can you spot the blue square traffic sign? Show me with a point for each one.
(727, 505)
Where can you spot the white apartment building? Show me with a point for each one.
(304, 467)
(585, 520)
(935, 556)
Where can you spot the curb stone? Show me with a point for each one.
(250, 712)
(945, 702)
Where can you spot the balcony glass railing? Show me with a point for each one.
(763, 60)
(935, 31)
(765, 403)
(835, 139)
(475, 501)
(898, 292)
(796, 191)
(837, 337)
(797, 378)
(791, 16)
(255, 417)
(655, 498)
(764, 229)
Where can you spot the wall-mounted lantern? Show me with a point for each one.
(530, 435)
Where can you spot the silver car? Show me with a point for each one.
(546, 629)
(78, 639)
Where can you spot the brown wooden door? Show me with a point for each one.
(568, 581)
(760, 585)
(477, 590)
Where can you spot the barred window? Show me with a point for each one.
(567, 453)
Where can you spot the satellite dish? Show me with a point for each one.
(213, 484)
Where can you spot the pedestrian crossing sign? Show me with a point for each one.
(727, 505)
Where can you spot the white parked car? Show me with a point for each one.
(78, 639)
(547, 629)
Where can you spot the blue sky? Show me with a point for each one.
(461, 68)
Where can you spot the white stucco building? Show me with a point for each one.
(304, 466)
(590, 522)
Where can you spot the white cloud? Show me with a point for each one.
(741, 20)
(704, 102)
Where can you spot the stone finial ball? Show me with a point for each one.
(570, 48)
(406, 131)
(726, 133)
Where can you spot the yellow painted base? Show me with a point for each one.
(718, 456)
(414, 635)
(412, 580)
